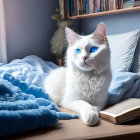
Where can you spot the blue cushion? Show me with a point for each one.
(122, 48)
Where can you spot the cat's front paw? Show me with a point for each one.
(90, 117)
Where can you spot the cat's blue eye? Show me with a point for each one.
(78, 50)
(93, 49)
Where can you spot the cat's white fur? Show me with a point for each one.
(82, 85)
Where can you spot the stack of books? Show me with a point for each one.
(69, 8)
(128, 3)
(136, 3)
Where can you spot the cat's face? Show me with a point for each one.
(89, 52)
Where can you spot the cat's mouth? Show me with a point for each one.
(85, 66)
(85, 63)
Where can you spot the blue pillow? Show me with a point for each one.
(122, 48)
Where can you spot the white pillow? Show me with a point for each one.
(136, 61)
(122, 48)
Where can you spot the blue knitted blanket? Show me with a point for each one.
(24, 106)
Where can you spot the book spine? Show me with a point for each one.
(112, 5)
(65, 9)
(117, 4)
(75, 7)
(99, 10)
(61, 9)
(63, 12)
(93, 2)
(78, 7)
(90, 6)
(101, 6)
(72, 7)
(106, 5)
(84, 7)
(87, 6)
(122, 4)
(96, 6)
(109, 7)
(68, 9)
(81, 7)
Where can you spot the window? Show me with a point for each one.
(3, 50)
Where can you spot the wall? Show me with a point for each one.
(115, 23)
(29, 27)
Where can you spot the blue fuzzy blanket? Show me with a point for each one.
(24, 106)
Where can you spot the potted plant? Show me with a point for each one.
(58, 41)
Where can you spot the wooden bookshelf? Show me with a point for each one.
(118, 11)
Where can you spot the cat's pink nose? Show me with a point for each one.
(84, 57)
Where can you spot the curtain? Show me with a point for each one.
(3, 49)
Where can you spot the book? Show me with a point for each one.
(72, 8)
(87, 6)
(96, 6)
(102, 5)
(82, 12)
(84, 7)
(65, 9)
(61, 3)
(122, 112)
(80, 7)
(68, 8)
(93, 2)
(75, 7)
(128, 4)
(99, 6)
(112, 5)
(90, 6)
(78, 10)
(136, 3)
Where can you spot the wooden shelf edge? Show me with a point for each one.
(118, 11)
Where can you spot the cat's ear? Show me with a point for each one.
(100, 31)
(72, 37)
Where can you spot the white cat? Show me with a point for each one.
(82, 85)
